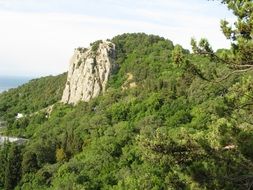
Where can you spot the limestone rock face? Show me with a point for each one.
(89, 72)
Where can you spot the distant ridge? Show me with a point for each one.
(8, 82)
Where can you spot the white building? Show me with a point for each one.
(19, 115)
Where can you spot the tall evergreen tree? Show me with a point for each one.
(240, 56)
(4, 151)
(13, 167)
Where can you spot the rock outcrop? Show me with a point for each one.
(89, 72)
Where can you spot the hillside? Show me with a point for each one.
(31, 97)
(160, 125)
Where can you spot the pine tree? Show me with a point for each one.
(240, 57)
(13, 167)
(4, 152)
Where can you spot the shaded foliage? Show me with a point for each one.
(173, 130)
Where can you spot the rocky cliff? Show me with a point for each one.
(89, 72)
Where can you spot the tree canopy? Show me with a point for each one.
(175, 128)
(240, 57)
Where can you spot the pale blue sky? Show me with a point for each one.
(37, 37)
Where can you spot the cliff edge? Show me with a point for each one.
(89, 71)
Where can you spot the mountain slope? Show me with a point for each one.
(171, 130)
(31, 97)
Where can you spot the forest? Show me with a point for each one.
(187, 123)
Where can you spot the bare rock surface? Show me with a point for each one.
(89, 71)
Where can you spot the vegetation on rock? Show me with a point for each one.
(179, 128)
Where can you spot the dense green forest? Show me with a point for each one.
(31, 97)
(186, 123)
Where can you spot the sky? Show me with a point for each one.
(38, 37)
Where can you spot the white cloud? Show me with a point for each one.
(42, 43)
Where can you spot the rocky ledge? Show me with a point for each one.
(89, 72)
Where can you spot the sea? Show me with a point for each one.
(8, 82)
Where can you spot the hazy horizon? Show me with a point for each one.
(38, 37)
(8, 82)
